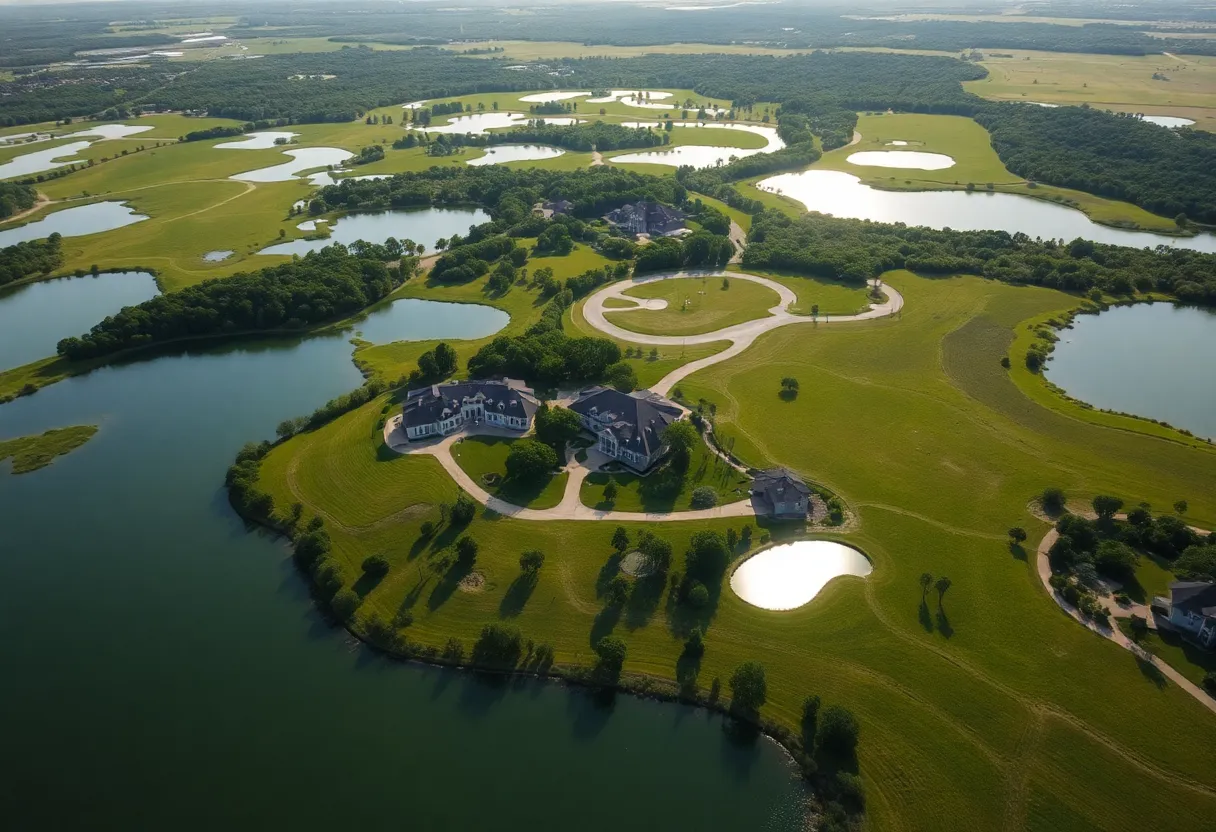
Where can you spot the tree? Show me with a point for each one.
(810, 718)
(621, 376)
(1017, 535)
(926, 581)
(698, 595)
(557, 426)
(611, 650)
(789, 388)
(1117, 560)
(344, 603)
(1106, 507)
(1052, 500)
(1180, 506)
(943, 584)
(376, 566)
(704, 496)
(466, 551)
(618, 591)
(610, 491)
(732, 539)
(531, 561)
(529, 460)
(707, 556)
(462, 511)
(748, 687)
(838, 731)
(694, 645)
(681, 437)
(620, 539)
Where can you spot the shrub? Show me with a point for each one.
(838, 731)
(466, 550)
(376, 566)
(426, 530)
(704, 496)
(748, 686)
(463, 510)
(344, 603)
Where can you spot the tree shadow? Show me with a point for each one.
(590, 710)
(682, 617)
(926, 618)
(1151, 672)
(943, 623)
(605, 622)
(1018, 551)
(788, 395)
(644, 600)
(517, 595)
(688, 668)
(366, 583)
(417, 546)
(448, 583)
(610, 569)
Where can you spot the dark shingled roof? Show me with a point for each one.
(637, 420)
(432, 404)
(769, 484)
(1194, 596)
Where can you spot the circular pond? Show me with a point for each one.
(903, 159)
(788, 576)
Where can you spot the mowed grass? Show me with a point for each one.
(484, 458)
(640, 493)
(831, 296)
(1190, 660)
(696, 305)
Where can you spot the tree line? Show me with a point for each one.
(323, 285)
(855, 250)
(30, 258)
(1168, 172)
(15, 198)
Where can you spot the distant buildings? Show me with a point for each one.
(650, 218)
(628, 427)
(557, 206)
(780, 494)
(443, 408)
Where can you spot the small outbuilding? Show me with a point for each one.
(781, 494)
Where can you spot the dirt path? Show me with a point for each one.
(597, 158)
(739, 237)
(42, 201)
(1114, 633)
(855, 140)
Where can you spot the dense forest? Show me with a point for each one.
(324, 285)
(1169, 172)
(15, 198)
(583, 138)
(50, 96)
(854, 250)
(30, 258)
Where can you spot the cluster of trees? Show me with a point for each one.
(213, 133)
(471, 260)
(854, 250)
(1168, 172)
(369, 154)
(30, 258)
(15, 198)
(547, 357)
(51, 96)
(323, 285)
(583, 138)
(699, 249)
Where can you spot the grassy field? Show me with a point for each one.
(633, 493)
(482, 456)
(696, 305)
(29, 453)
(832, 297)
(1113, 82)
(1000, 713)
(1189, 660)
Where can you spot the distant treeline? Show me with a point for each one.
(15, 198)
(322, 286)
(30, 258)
(213, 133)
(855, 250)
(1168, 172)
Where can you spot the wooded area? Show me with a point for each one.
(34, 257)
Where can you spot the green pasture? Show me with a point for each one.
(485, 458)
(696, 305)
(996, 711)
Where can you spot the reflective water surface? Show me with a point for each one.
(790, 575)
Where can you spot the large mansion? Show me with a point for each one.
(627, 426)
(443, 408)
(651, 218)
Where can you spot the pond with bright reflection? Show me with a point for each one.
(411, 319)
(424, 225)
(903, 159)
(302, 159)
(516, 153)
(702, 156)
(788, 576)
(74, 222)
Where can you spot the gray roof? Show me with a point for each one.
(435, 403)
(773, 484)
(559, 206)
(636, 420)
(1194, 596)
(654, 214)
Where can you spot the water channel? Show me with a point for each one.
(843, 195)
(159, 653)
(1150, 359)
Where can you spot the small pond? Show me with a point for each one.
(903, 159)
(647, 95)
(1168, 121)
(476, 123)
(1150, 359)
(500, 153)
(302, 159)
(843, 195)
(412, 319)
(788, 576)
(703, 156)
(898, 143)
(43, 160)
(217, 256)
(73, 222)
(424, 225)
(323, 178)
(35, 316)
(258, 141)
(544, 97)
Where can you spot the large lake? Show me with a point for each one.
(34, 317)
(160, 651)
(1150, 359)
(843, 195)
(73, 222)
(422, 225)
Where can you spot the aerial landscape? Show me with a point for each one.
(767, 415)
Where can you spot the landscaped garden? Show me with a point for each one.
(484, 458)
(664, 489)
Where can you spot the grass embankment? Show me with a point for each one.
(637, 493)
(975, 162)
(1191, 661)
(696, 305)
(484, 458)
(1000, 713)
(29, 453)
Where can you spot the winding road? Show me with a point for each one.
(741, 337)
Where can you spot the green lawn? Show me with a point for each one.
(1191, 661)
(636, 493)
(482, 456)
(696, 305)
(831, 296)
